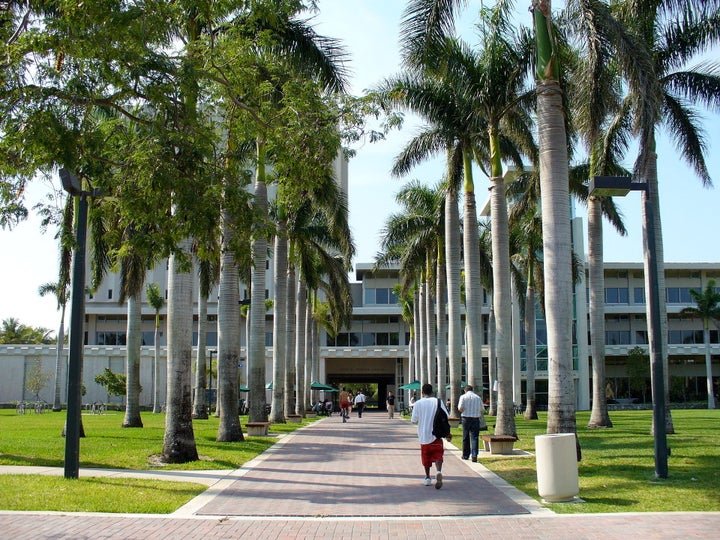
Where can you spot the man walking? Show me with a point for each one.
(345, 405)
(431, 448)
(470, 407)
(360, 403)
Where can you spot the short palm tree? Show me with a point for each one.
(61, 293)
(157, 301)
(707, 308)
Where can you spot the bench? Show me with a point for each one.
(499, 444)
(257, 429)
(294, 418)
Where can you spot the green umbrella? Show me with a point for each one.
(316, 385)
(415, 385)
(244, 388)
(268, 386)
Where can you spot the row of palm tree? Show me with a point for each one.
(478, 106)
(139, 120)
(146, 133)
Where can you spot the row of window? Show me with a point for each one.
(365, 339)
(675, 337)
(673, 295)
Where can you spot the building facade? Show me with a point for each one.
(375, 347)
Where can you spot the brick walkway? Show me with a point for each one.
(360, 479)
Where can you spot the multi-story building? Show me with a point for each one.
(375, 347)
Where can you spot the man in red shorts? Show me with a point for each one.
(431, 448)
(345, 405)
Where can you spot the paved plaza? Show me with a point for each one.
(362, 479)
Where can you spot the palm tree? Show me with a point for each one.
(414, 237)
(707, 308)
(157, 301)
(132, 278)
(61, 294)
(557, 242)
(673, 32)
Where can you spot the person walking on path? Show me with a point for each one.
(360, 403)
(345, 405)
(390, 403)
(431, 448)
(470, 406)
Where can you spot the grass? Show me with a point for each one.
(34, 440)
(617, 470)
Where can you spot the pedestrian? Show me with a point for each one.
(345, 404)
(431, 447)
(360, 403)
(390, 403)
(470, 407)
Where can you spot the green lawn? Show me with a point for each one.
(34, 439)
(617, 470)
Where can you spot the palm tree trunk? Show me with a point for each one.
(199, 410)
(300, 312)
(290, 374)
(228, 338)
(530, 351)
(59, 362)
(422, 331)
(307, 404)
(502, 293)
(156, 366)
(473, 288)
(132, 362)
(277, 409)
(256, 339)
(452, 258)
(554, 188)
(492, 360)
(431, 338)
(179, 440)
(442, 324)
(599, 417)
(708, 365)
(557, 243)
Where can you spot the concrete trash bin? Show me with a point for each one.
(557, 469)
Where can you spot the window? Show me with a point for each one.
(639, 295)
(110, 338)
(617, 337)
(616, 295)
(109, 294)
(382, 296)
(641, 337)
(679, 295)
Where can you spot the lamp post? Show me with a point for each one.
(210, 400)
(77, 314)
(620, 186)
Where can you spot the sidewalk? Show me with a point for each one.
(362, 478)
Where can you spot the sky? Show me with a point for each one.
(369, 31)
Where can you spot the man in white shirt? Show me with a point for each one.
(470, 407)
(431, 448)
(360, 403)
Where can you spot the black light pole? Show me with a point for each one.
(77, 314)
(621, 186)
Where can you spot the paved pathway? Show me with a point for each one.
(360, 479)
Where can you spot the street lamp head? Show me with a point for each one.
(70, 182)
(614, 186)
